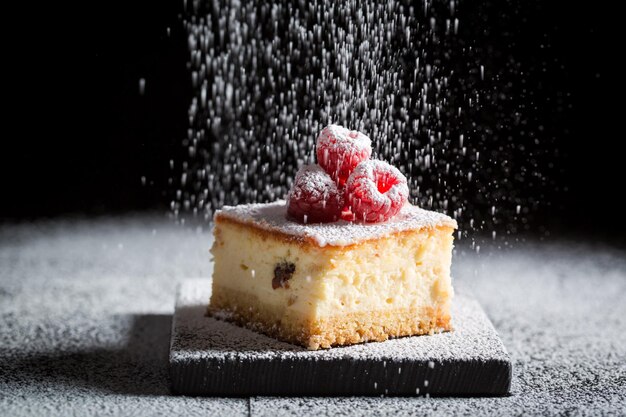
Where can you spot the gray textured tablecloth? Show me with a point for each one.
(85, 310)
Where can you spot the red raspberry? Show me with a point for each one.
(340, 150)
(347, 215)
(314, 197)
(376, 191)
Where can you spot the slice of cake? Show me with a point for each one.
(344, 260)
(329, 284)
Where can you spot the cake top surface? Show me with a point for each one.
(273, 217)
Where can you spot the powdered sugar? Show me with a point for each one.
(272, 217)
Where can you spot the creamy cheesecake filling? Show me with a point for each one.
(410, 270)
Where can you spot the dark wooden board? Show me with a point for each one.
(216, 358)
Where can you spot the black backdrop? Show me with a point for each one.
(79, 136)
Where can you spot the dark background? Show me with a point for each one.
(79, 136)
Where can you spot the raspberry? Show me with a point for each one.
(340, 150)
(314, 196)
(376, 191)
(347, 215)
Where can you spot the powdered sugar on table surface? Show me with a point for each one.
(273, 217)
(86, 309)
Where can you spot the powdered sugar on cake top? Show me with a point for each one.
(272, 217)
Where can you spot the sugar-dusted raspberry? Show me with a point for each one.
(340, 150)
(314, 196)
(376, 191)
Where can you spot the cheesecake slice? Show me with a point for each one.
(332, 284)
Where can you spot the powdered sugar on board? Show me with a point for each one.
(273, 217)
(194, 335)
